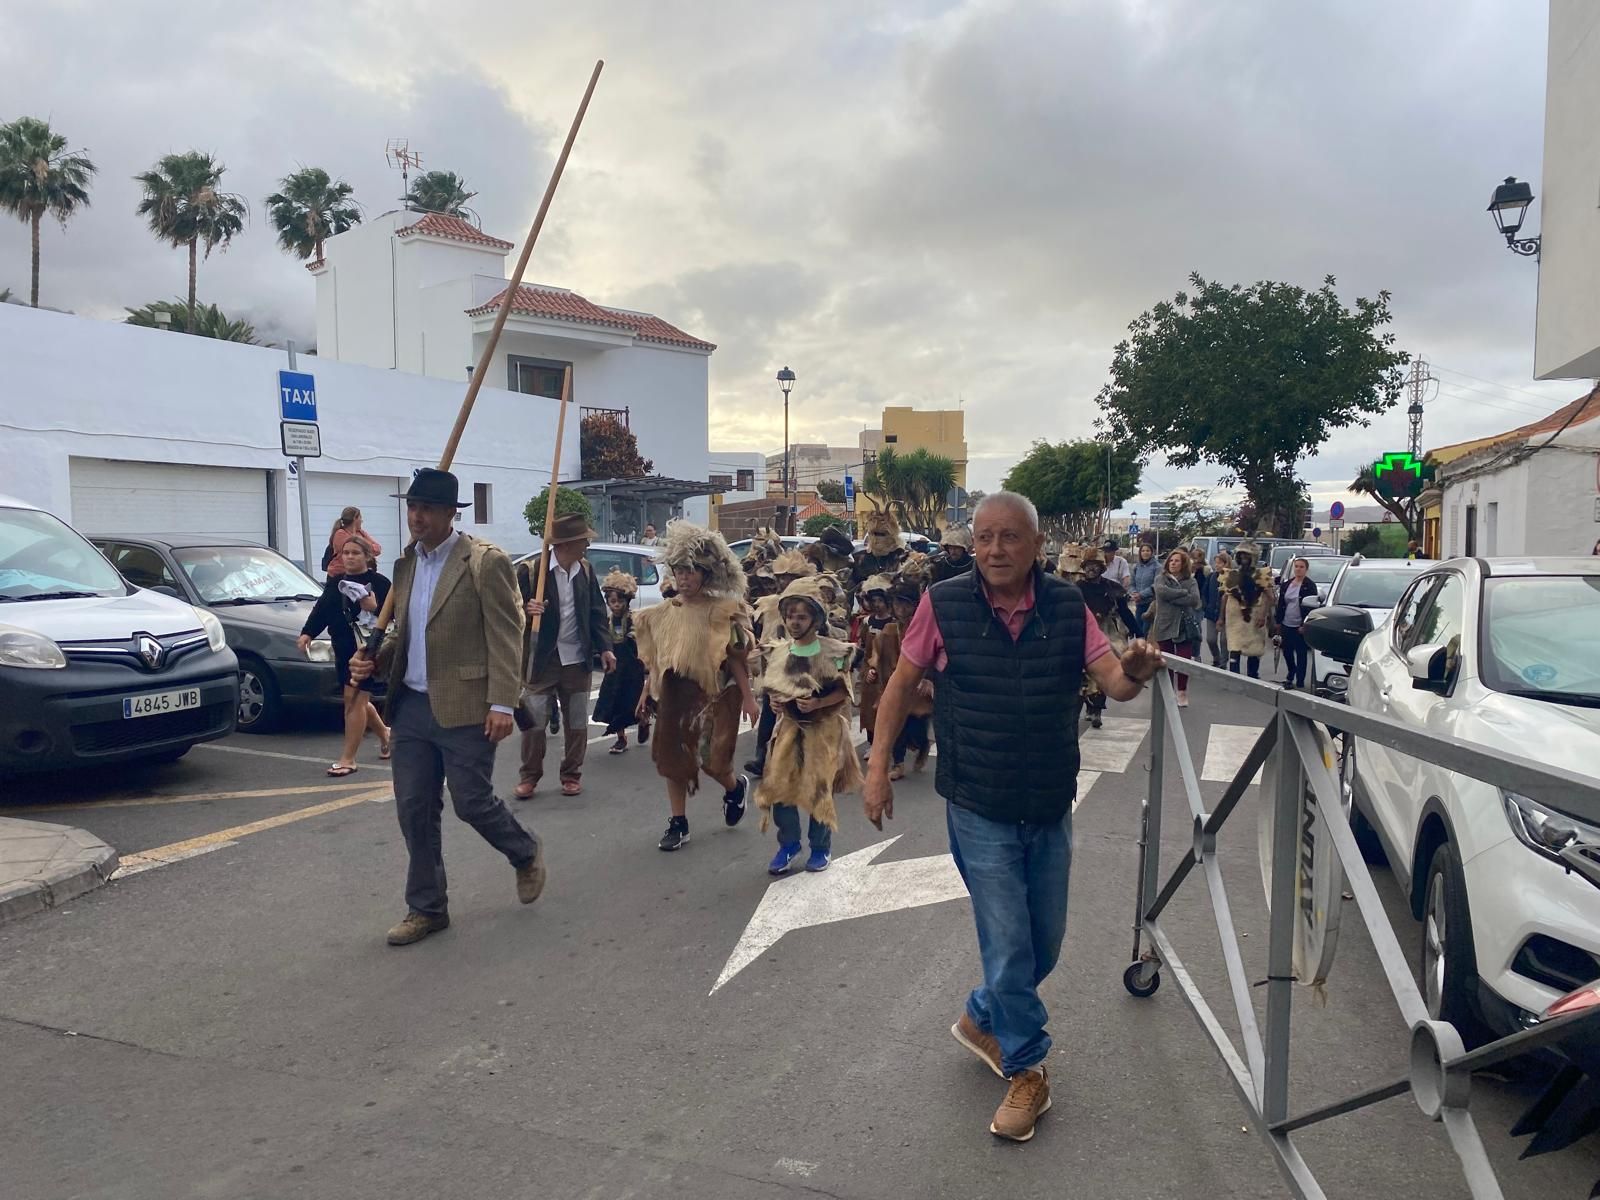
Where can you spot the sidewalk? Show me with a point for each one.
(43, 865)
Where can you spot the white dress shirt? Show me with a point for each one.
(1118, 570)
(423, 582)
(568, 646)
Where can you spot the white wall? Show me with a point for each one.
(1566, 214)
(103, 390)
(1546, 505)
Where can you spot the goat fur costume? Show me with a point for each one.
(1247, 610)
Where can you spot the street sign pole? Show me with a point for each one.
(305, 498)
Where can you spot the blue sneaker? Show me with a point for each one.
(783, 861)
(819, 860)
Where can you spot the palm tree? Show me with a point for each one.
(209, 321)
(185, 206)
(441, 192)
(913, 486)
(311, 208)
(39, 175)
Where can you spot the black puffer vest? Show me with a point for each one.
(1006, 712)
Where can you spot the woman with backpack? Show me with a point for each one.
(347, 526)
(348, 611)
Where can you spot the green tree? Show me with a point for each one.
(209, 321)
(1195, 514)
(816, 524)
(39, 175)
(831, 491)
(1252, 379)
(912, 486)
(567, 502)
(608, 449)
(1067, 483)
(310, 208)
(185, 206)
(441, 192)
(1403, 509)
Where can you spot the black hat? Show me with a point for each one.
(837, 540)
(430, 486)
(1109, 544)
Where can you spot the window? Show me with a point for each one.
(747, 480)
(725, 481)
(481, 511)
(141, 566)
(1442, 621)
(1471, 531)
(891, 438)
(39, 554)
(1407, 612)
(638, 565)
(536, 376)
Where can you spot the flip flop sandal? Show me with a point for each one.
(385, 750)
(338, 772)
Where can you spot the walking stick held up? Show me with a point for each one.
(481, 370)
(550, 504)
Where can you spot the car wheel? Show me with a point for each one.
(1449, 969)
(260, 708)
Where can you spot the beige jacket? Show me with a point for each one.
(474, 633)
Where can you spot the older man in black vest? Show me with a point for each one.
(1007, 646)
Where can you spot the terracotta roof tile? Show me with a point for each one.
(454, 228)
(556, 304)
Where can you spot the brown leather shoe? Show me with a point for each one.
(417, 926)
(1027, 1099)
(985, 1045)
(530, 879)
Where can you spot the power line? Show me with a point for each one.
(1507, 387)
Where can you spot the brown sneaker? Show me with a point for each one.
(530, 879)
(1027, 1099)
(417, 926)
(985, 1045)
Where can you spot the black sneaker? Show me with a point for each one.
(753, 768)
(677, 834)
(733, 802)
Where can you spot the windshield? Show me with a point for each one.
(1542, 638)
(1324, 569)
(243, 574)
(637, 565)
(1372, 587)
(43, 558)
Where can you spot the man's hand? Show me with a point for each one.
(871, 675)
(497, 726)
(608, 660)
(879, 797)
(303, 642)
(1141, 660)
(925, 689)
(360, 667)
(534, 608)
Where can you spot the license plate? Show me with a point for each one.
(154, 703)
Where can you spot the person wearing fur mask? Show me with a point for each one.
(875, 618)
(696, 648)
(883, 554)
(956, 556)
(1107, 602)
(836, 599)
(618, 705)
(832, 553)
(807, 681)
(1247, 608)
(884, 657)
(785, 569)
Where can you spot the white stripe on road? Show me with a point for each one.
(310, 758)
(1227, 747)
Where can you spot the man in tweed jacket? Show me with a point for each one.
(453, 662)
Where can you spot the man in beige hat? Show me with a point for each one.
(573, 628)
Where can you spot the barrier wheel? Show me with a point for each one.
(1131, 980)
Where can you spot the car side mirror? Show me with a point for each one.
(1337, 631)
(1429, 667)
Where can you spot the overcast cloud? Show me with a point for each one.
(910, 203)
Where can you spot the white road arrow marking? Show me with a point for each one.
(851, 887)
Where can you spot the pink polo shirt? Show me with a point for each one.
(924, 645)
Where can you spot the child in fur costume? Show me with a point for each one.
(883, 554)
(832, 553)
(807, 681)
(696, 649)
(785, 569)
(620, 693)
(1107, 602)
(1247, 603)
(904, 596)
(876, 617)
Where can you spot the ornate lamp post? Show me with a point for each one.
(786, 382)
(1510, 207)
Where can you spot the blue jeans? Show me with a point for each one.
(1017, 875)
(787, 818)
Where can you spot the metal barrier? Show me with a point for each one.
(1440, 1076)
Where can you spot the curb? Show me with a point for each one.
(58, 881)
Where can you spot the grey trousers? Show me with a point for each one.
(426, 757)
(1217, 642)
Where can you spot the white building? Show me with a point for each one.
(418, 293)
(119, 429)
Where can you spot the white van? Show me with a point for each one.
(92, 669)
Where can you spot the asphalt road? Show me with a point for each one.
(228, 1022)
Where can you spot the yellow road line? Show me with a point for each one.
(136, 801)
(144, 860)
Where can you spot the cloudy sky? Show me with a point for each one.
(928, 202)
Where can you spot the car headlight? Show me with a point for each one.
(1550, 833)
(320, 651)
(216, 637)
(1336, 683)
(25, 648)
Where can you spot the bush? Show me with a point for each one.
(567, 501)
(814, 526)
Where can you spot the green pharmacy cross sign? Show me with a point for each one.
(1401, 475)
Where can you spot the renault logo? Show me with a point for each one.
(150, 650)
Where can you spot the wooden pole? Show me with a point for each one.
(550, 504)
(506, 300)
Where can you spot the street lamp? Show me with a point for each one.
(1510, 206)
(786, 382)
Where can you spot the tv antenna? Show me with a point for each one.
(398, 154)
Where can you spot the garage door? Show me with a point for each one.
(373, 495)
(113, 496)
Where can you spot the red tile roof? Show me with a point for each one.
(558, 304)
(454, 228)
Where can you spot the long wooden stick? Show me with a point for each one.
(506, 300)
(545, 549)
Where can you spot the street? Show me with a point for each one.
(225, 1020)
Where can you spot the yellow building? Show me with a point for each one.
(939, 431)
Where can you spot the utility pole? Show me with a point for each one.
(1417, 383)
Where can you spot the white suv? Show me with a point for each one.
(1505, 655)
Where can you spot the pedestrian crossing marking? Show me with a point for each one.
(1227, 746)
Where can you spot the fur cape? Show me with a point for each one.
(812, 757)
(685, 648)
(794, 564)
(884, 657)
(1247, 624)
(618, 580)
(689, 640)
(689, 545)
